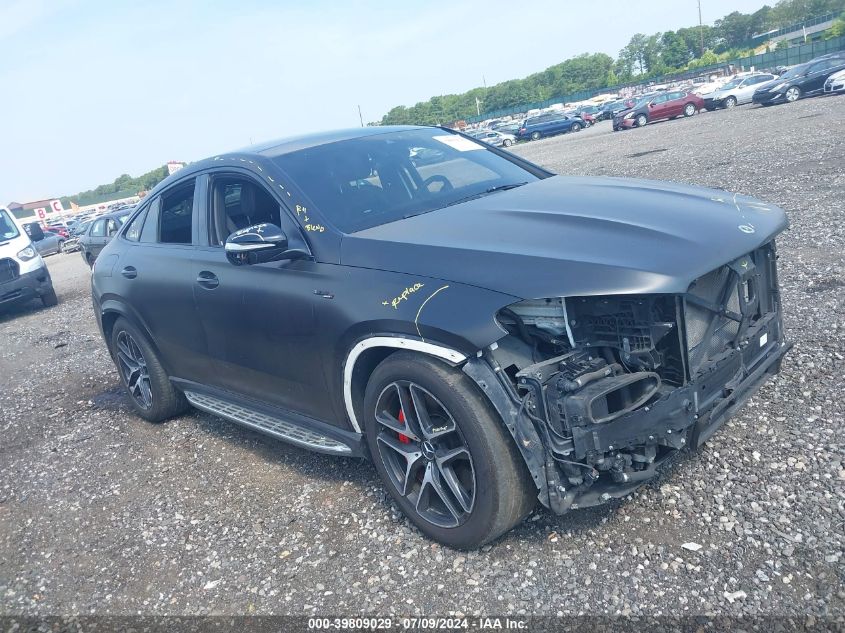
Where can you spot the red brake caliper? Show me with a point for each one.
(402, 437)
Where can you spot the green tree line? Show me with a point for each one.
(123, 184)
(644, 56)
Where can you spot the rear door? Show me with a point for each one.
(675, 102)
(158, 282)
(746, 93)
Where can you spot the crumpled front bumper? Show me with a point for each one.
(25, 287)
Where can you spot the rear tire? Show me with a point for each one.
(575, 127)
(460, 421)
(689, 109)
(90, 259)
(152, 395)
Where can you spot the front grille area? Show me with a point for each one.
(721, 305)
(9, 270)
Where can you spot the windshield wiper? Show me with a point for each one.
(487, 192)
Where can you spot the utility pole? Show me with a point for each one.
(701, 27)
(360, 116)
(477, 106)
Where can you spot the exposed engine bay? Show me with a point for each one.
(612, 386)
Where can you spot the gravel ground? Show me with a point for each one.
(103, 513)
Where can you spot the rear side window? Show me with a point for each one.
(175, 224)
(133, 231)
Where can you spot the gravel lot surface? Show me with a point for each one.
(103, 513)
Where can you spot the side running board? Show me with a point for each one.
(269, 425)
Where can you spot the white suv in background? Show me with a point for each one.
(23, 275)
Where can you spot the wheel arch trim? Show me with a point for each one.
(396, 342)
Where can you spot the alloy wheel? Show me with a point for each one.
(425, 454)
(690, 110)
(730, 102)
(792, 94)
(133, 370)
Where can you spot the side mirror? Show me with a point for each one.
(33, 229)
(258, 244)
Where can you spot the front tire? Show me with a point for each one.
(535, 136)
(642, 120)
(730, 102)
(442, 452)
(793, 93)
(507, 142)
(49, 298)
(152, 395)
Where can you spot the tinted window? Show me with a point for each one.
(175, 217)
(825, 64)
(239, 203)
(98, 229)
(363, 182)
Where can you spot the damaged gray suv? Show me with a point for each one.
(489, 334)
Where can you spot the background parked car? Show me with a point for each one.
(537, 127)
(835, 83)
(609, 110)
(99, 233)
(495, 138)
(736, 92)
(661, 106)
(509, 128)
(804, 80)
(45, 242)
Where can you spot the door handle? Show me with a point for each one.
(129, 272)
(208, 279)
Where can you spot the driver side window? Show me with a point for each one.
(237, 203)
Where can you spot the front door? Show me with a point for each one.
(261, 321)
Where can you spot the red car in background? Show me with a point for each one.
(667, 105)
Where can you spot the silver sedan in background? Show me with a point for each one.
(493, 137)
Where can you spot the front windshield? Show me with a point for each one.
(8, 228)
(792, 72)
(372, 180)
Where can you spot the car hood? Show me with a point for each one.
(572, 236)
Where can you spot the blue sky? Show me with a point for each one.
(94, 89)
